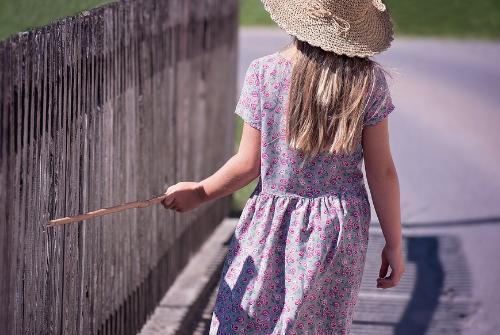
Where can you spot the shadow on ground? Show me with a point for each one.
(434, 297)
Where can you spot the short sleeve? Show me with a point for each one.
(248, 106)
(379, 105)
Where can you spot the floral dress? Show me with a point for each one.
(296, 258)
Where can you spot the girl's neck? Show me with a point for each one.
(290, 52)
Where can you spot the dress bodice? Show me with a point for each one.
(284, 170)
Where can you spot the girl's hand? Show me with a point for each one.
(394, 259)
(183, 196)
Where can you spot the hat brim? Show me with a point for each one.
(370, 35)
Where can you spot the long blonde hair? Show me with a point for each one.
(328, 93)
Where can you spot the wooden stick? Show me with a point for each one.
(106, 211)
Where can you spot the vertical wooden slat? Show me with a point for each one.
(5, 112)
(24, 161)
(85, 239)
(53, 237)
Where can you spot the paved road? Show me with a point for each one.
(434, 297)
(446, 129)
(445, 137)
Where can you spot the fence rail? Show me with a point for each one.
(98, 109)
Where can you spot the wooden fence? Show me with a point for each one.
(98, 109)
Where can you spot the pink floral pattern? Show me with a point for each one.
(296, 258)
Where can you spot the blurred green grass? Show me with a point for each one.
(448, 18)
(443, 18)
(22, 15)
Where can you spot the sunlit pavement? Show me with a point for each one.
(445, 131)
(445, 137)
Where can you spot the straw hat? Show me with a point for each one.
(347, 27)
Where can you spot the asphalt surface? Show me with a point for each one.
(445, 131)
(445, 140)
(434, 297)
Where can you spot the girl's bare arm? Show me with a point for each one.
(384, 187)
(239, 170)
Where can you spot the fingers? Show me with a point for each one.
(169, 205)
(173, 205)
(383, 268)
(390, 281)
(179, 197)
(168, 201)
(385, 283)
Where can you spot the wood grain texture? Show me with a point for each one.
(98, 109)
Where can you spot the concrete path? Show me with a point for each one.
(445, 136)
(184, 307)
(434, 297)
(446, 128)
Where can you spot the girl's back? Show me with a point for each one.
(285, 171)
(296, 259)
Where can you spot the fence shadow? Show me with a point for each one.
(228, 306)
(228, 310)
(434, 297)
(418, 314)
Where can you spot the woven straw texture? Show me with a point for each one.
(347, 27)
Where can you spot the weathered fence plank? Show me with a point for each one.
(106, 107)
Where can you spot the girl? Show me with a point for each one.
(313, 113)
